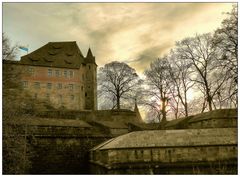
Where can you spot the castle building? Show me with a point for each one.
(59, 74)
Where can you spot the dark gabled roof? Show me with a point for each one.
(215, 114)
(55, 54)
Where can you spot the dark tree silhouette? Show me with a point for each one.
(225, 40)
(203, 56)
(8, 52)
(157, 79)
(118, 81)
(180, 75)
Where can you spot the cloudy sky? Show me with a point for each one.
(136, 33)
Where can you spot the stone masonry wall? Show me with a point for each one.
(100, 115)
(60, 150)
(62, 155)
(114, 161)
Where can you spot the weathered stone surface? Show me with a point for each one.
(159, 148)
(163, 138)
(99, 115)
(113, 127)
(215, 119)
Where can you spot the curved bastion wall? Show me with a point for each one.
(167, 151)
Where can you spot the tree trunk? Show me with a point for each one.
(164, 113)
(186, 109)
(118, 102)
(209, 100)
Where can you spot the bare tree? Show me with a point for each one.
(14, 145)
(225, 40)
(8, 52)
(157, 79)
(118, 81)
(203, 56)
(180, 74)
(16, 103)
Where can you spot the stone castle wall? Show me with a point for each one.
(166, 160)
(60, 149)
(99, 115)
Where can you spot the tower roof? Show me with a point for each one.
(89, 53)
(55, 54)
(90, 58)
(139, 117)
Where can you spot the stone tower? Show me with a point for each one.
(90, 82)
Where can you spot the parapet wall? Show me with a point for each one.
(58, 146)
(168, 151)
(99, 115)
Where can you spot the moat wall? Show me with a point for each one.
(62, 155)
(57, 146)
(61, 146)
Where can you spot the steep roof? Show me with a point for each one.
(55, 54)
(90, 58)
(172, 138)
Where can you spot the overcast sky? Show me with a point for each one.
(136, 33)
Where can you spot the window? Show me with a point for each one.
(49, 85)
(65, 73)
(89, 67)
(72, 97)
(58, 73)
(47, 96)
(71, 86)
(31, 71)
(86, 94)
(82, 88)
(36, 85)
(60, 99)
(59, 86)
(71, 74)
(49, 72)
(25, 84)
